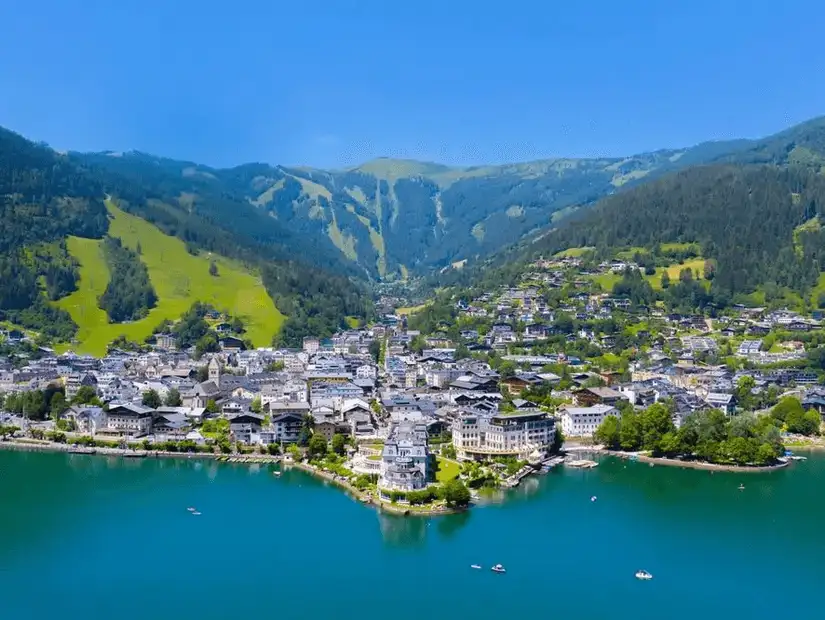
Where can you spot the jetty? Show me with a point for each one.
(251, 458)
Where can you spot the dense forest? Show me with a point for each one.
(129, 295)
(759, 223)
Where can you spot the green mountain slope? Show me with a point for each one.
(179, 278)
(53, 270)
(753, 215)
(389, 217)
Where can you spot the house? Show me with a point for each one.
(284, 428)
(129, 420)
(583, 421)
(586, 397)
(246, 427)
(170, 425)
(87, 419)
(725, 402)
(231, 344)
(520, 382)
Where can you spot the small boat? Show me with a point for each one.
(741, 487)
(476, 566)
(191, 509)
(277, 474)
(593, 498)
(196, 513)
(498, 568)
(643, 575)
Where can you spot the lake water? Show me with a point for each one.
(97, 538)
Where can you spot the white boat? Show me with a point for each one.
(276, 474)
(741, 487)
(476, 566)
(498, 568)
(593, 498)
(643, 575)
(190, 509)
(195, 512)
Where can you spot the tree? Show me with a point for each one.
(213, 269)
(630, 431)
(803, 422)
(85, 395)
(375, 350)
(58, 405)
(339, 443)
(306, 430)
(212, 406)
(558, 442)
(151, 399)
(744, 394)
(256, 405)
(273, 449)
(789, 405)
(656, 421)
(709, 269)
(670, 445)
(275, 366)
(608, 433)
(317, 445)
(294, 452)
(665, 280)
(448, 451)
(173, 398)
(456, 493)
(7, 430)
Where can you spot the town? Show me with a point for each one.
(457, 396)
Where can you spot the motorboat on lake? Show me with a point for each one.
(593, 498)
(196, 513)
(476, 566)
(498, 568)
(191, 509)
(741, 487)
(643, 575)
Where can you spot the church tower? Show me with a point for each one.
(214, 369)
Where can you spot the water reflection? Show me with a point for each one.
(403, 532)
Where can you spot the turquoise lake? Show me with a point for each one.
(107, 538)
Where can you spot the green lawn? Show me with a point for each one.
(572, 252)
(447, 470)
(179, 280)
(694, 264)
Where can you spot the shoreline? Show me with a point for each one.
(701, 465)
(34, 445)
(405, 510)
(363, 497)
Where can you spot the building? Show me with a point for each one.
(583, 421)
(405, 460)
(523, 434)
(284, 428)
(246, 427)
(129, 420)
(589, 396)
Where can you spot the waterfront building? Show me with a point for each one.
(246, 427)
(129, 419)
(405, 460)
(283, 428)
(523, 434)
(583, 421)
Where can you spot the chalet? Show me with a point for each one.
(246, 427)
(589, 396)
(129, 420)
(284, 428)
(724, 402)
(520, 382)
(231, 344)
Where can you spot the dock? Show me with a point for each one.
(252, 458)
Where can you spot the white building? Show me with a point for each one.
(583, 421)
(405, 459)
(520, 433)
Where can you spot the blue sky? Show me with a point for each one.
(335, 83)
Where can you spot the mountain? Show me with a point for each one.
(390, 218)
(89, 252)
(752, 218)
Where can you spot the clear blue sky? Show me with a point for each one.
(337, 82)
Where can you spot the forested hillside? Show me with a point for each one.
(47, 198)
(752, 218)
